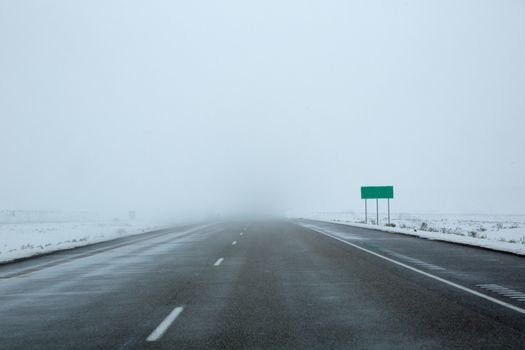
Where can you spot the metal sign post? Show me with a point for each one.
(377, 192)
(366, 212)
(388, 202)
(377, 211)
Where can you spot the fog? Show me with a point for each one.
(241, 106)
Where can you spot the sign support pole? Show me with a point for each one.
(366, 212)
(377, 211)
(388, 201)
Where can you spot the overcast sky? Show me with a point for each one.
(288, 105)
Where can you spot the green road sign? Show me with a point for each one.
(373, 192)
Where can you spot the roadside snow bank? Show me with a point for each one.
(20, 240)
(503, 233)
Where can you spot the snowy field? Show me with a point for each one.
(501, 232)
(27, 233)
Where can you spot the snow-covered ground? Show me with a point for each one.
(27, 233)
(501, 232)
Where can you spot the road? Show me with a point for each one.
(265, 285)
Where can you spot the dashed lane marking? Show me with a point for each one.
(165, 324)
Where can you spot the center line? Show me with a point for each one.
(218, 262)
(164, 325)
(234, 242)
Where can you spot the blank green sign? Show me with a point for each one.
(369, 192)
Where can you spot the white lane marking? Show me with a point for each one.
(418, 262)
(507, 292)
(164, 325)
(450, 283)
(491, 286)
(218, 262)
(234, 242)
(242, 233)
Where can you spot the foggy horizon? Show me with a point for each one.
(194, 174)
(228, 107)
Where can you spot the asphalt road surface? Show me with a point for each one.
(265, 285)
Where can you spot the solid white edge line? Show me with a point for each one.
(218, 262)
(164, 325)
(450, 283)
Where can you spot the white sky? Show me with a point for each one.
(214, 105)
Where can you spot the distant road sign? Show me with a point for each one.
(373, 192)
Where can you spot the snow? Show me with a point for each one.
(498, 232)
(24, 233)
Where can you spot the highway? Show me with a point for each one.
(283, 284)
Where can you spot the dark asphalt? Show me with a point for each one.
(282, 285)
